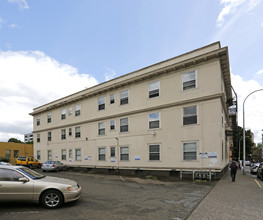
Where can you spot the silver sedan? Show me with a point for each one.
(52, 166)
(18, 183)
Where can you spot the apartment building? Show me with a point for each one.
(28, 137)
(170, 116)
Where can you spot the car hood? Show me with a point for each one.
(58, 180)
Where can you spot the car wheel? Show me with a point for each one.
(52, 199)
(57, 169)
(43, 170)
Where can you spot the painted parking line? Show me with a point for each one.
(258, 184)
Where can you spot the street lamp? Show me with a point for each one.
(244, 138)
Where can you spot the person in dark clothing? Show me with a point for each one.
(233, 170)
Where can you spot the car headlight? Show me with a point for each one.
(73, 188)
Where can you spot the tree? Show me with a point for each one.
(14, 140)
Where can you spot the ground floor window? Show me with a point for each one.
(49, 155)
(38, 155)
(16, 153)
(112, 151)
(102, 153)
(124, 153)
(154, 152)
(78, 154)
(190, 151)
(70, 153)
(63, 155)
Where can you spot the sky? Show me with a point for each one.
(50, 49)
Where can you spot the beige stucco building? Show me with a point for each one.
(169, 116)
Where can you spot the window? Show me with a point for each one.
(38, 120)
(189, 151)
(112, 99)
(9, 175)
(49, 155)
(70, 154)
(101, 128)
(190, 116)
(154, 89)
(48, 117)
(77, 110)
(102, 153)
(77, 132)
(124, 97)
(38, 155)
(189, 80)
(112, 125)
(38, 138)
(49, 136)
(124, 153)
(101, 103)
(154, 152)
(63, 114)
(63, 134)
(69, 131)
(78, 154)
(154, 120)
(8, 154)
(70, 111)
(112, 151)
(16, 153)
(63, 154)
(124, 127)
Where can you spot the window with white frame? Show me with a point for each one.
(154, 152)
(154, 120)
(189, 80)
(38, 138)
(78, 154)
(154, 89)
(102, 153)
(101, 103)
(38, 120)
(77, 110)
(63, 114)
(124, 125)
(49, 155)
(69, 131)
(112, 99)
(63, 154)
(70, 111)
(190, 115)
(38, 154)
(63, 134)
(101, 128)
(124, 153)
(77, 132)
(112, 151)
(49, 118)
(190, 151)
(112, 125)
(70, 154)
(124, 97)
(49, 136)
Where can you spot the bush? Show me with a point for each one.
(5, 159)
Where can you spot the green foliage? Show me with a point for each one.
(14, 140)
(5, 159)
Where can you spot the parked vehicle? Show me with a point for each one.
(30, 162)
(19, 183)
(5, 163)
(260, 171)
(53, 166)
(254, 168)
(247, 163)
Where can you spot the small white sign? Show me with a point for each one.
(56, 156)
(212, 154)
(203, 155)
(137, 157)
(112, 159)
(87, 158)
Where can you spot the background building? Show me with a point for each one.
(14, 150)
(171, 116)
(28, 137)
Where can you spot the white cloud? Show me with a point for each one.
(109, 74)
(253, 104)
(21, 3)
(30, 79)
(1, 22)
(13, 26)
(230, 7)
(260, 72)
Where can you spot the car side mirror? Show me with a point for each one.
(23, 179)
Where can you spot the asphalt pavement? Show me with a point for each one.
(242, 199)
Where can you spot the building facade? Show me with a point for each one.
(28, 137)
(170, 116)
(12, 151)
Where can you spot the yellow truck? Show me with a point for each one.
(30, 162)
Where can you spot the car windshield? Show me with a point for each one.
(49, 162)
(31, 173)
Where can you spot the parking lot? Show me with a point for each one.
(118, 197)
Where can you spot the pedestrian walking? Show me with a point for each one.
(233, 170)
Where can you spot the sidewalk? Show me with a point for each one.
(242, 199)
